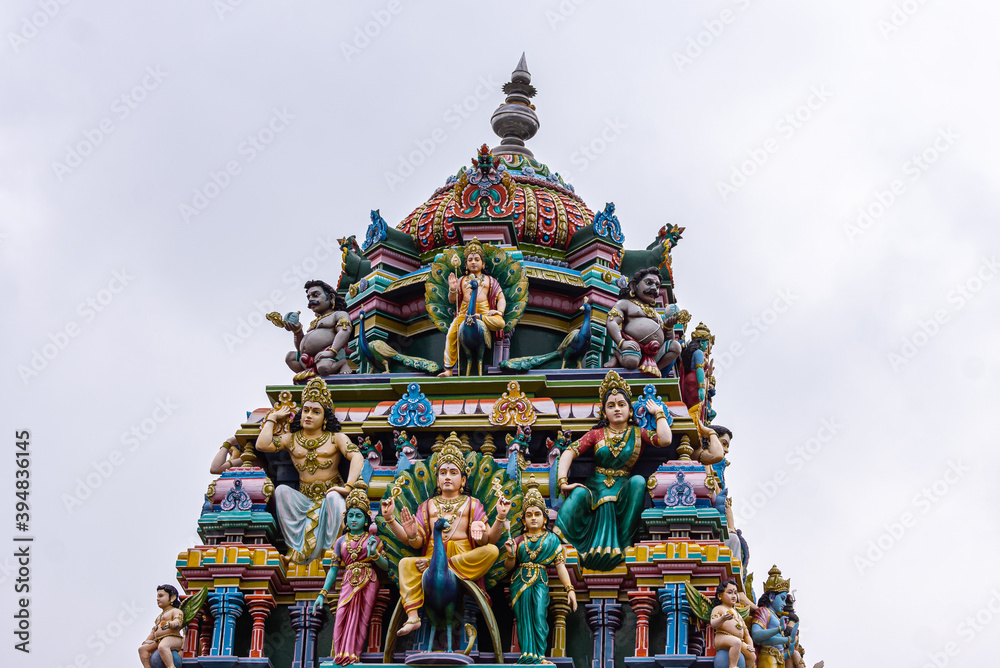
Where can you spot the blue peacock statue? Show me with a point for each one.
(572, 349)
(379, 353)
(474, 336)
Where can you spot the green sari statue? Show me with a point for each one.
(599, 517)
(529, 583)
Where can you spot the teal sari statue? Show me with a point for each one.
(532, 552)
(599, 517)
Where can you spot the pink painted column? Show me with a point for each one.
(375, 632)
(190, 648)
(259, 606)
(643, 603)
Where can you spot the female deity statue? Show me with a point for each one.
(600, 516)
(529, 585)
(358, 552)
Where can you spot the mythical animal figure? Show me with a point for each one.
(378, 354)
(474, 309)
(572, 349)
(166, 638)
(310, 517)
(358, 552)
(474, 494)
(642, 338)
(531, 552)
(321, 351)
(406, 450)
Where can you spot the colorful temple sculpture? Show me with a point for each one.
(495, 444)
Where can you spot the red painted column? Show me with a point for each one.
(260, 607)
(205, 637)
(643, 603)
(190, 648)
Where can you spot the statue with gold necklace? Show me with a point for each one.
(600, 516)
(310, 517)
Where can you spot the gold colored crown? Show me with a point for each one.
(774, 582)
(614, 383)
(358, 498)
(451, 453)
(533, 498)
(475, 247)
(316, 390)
(702, 332)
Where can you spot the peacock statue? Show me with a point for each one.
(572, 349)
(499, 264)
(379, 353)
(474, 336)
(444, 600)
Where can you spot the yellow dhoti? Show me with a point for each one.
(466, 561)
(493, 322)
(769, 656)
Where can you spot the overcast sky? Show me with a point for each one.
(834, 165)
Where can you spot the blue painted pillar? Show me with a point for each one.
(605, 617)
(306, 624)
(674, 603)
(226, 604)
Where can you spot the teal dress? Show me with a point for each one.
(601, 520)
(529, 593)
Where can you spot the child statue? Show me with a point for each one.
(358, 551)
(166, 636)
(529, 584)
(731, 632)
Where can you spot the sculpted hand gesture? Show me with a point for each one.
(281, 414)
(478, 529)
(388, 508)
(453, 283)
(409, 523)
(652, 407)
(511, 548)
(503, 507)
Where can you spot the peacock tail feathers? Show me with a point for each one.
(387, 353)
(528, 363)
(569, 338)
(513, 281)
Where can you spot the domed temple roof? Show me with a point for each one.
(540, 206)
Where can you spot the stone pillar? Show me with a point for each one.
(560, 608)
(605, 617)
(375, 633)
(673, 602)
(205, 635)
(259, 607)
(643, 603)
(190, 649)
(226, 604)
(306, 624)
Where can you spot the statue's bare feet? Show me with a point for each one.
(410, 625)
(445, 373)
(422, 564)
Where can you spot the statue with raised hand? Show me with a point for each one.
(321, 349)
(643, 339)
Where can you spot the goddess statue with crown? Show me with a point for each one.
(310, 517)
(600, 516)
(531, 552)
(357, 552)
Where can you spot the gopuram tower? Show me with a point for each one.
(495, 444)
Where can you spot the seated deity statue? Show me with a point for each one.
(320, 350)
(310, 517)
(643, 339)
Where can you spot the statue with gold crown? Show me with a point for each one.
(441, 522)
(310, 517)
(475, 308)
(357, 552)
(774, 633)
(531, 553)
(600, 516)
